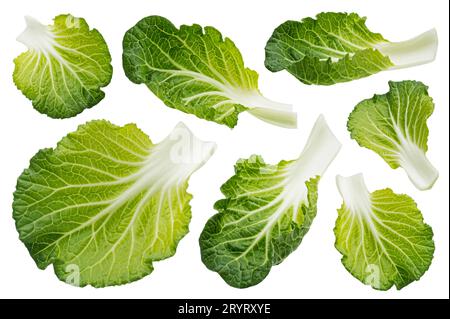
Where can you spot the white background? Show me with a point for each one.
(314, 270)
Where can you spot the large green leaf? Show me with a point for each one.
(381, 235)
(65, 67)
(338, 47)
(106, 202)
(266, 212)
(195, 70)
(394, 125)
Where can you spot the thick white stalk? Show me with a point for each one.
(355, 194)
(419, 169)
(269, 111)
(416, 51)
(320, 150)
(37, 36)
(277, 117)
(179, 155)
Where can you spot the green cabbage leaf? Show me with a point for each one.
(66, 66)
(106, 202)
(266, 212)
(338, 47)
(197, 71)
(381, 235)
(394, 125)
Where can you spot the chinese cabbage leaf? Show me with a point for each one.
(65, 67)
(266, 212)
(338, 47)
(394, 125)
(381, 235)
(107, 202)
(197, 71)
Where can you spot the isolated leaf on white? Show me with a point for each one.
(381, 235)
(107, 201)
(394, 125)
(197, 71)
(338, 47)
(266, 212)
(66, 66)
